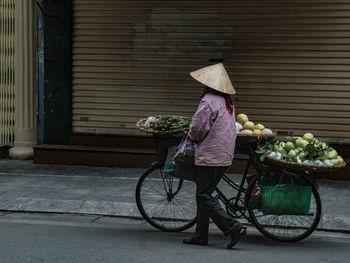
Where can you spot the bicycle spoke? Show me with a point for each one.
(152, 189)
(186, 210)
(168, 202)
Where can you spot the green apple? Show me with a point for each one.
(335, 161)
(332, 154)
(292, 154)
(340, 159)
(301, 143)
(289, 146)
(308, 137)
(302, 156)
(298, 150)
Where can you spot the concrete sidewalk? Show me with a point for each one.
(25, 186)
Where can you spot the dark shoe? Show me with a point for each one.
(236, 236)
(194, 241)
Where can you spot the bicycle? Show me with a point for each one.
(168, 203)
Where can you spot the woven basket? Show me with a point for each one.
(306, 167)
(252, 138)
(140, 125)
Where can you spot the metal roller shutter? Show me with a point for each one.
(289, 61)
(7, 76)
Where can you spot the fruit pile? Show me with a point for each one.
(244, 126)
(167, 123)
(302, 150)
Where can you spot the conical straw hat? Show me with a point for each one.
(215, 77)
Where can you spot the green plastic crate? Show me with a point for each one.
(285, 199)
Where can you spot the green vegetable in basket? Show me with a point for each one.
(302, 150)
(170, 123)
(278, 148)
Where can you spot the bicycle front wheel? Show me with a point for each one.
(166, 202)
(285, 227)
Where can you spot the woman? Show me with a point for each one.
(213, 128)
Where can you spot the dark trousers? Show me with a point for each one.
(209, 207)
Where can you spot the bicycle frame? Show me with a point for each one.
(235, 207)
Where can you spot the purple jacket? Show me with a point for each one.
(214, 129)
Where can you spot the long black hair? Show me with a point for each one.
(228, 100)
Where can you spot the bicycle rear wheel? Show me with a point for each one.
(166, 202)
(286, 227)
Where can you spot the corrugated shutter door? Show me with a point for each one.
(7, 76)
(289, 61)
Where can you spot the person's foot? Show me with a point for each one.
(236, 236)
(195, 241)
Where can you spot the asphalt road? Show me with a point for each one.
(76, 238)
